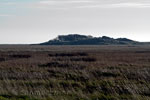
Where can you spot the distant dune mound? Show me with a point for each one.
(76, 39)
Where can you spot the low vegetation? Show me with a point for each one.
(83, 73)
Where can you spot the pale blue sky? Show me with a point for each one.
(34, 21)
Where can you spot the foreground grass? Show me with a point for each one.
(91, 74)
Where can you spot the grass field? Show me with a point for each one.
(74, 72)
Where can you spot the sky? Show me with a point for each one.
(36, 21)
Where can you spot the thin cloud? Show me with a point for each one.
(130, 5)
(59, 4)
(118, 5)
(51, 2)
(74, 4)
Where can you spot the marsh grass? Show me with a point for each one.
(83, 73)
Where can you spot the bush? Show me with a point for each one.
(88, 59)
(2, 59)
(68, 54)
(20, 56)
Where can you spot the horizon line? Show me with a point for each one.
(70, 34)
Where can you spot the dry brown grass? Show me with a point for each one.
(75, 72)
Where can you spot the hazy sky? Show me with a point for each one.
(34, 21)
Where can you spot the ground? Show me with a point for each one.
(30, 72)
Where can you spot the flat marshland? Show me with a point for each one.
(30, 72)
